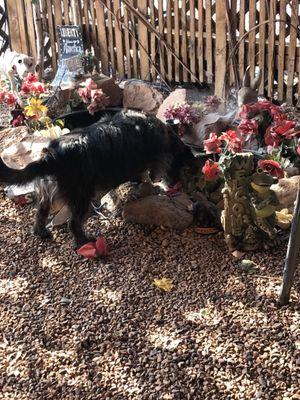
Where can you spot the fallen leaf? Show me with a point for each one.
(164, 284)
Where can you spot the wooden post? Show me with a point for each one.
(291, 255)
(221, 41)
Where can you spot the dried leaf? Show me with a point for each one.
(164, 284)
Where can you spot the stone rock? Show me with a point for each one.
(25, 151)
(115, 199)
(140, 95)
(286, 191)
(160, 211)
(179, 96)
(110, 88)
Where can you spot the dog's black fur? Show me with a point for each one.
(115, 150)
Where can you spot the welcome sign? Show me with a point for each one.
(70, 41)
(70, 50)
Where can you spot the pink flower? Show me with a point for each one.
(37, 88)
(286, 129)
(30, 78)
(212, 144)
(26, 88)
(99, 97)
(212, 103)
(271, 167)
(234, 143)
(85, 91)
(211, 170)
(186, 114)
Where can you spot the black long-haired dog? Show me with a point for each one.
(115, 150)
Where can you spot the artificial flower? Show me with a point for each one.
(212, 103)
(35, 109)
(94, 250)
(233, 142)
(18, 121)
(248, 128)
(272, 138)
(85, 90)
(185, 113)
(271, 167)
(211, 170)
(212, 144)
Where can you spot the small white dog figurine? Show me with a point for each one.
(15, 64)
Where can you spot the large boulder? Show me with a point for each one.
(144, 96)
(175, 213)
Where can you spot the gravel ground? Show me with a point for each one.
(77, 329)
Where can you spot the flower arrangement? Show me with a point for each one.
(185, 113)
(92, 96)
(28, 108)
(279, 141)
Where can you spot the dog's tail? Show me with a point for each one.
(32, 171)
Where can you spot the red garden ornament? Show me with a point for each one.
(94, 250)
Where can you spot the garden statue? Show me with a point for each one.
(248, 93)
(249, 204)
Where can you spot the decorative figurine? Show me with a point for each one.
(249, 204)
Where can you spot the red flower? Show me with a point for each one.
(212, 144)
(18, 121)
(286, 129)
(271, 167)
(211, 170)
(94, 250)
(248, 127)
(38, 88)
(234, 143)
(26, 88)
(272, 138)
(249, 111)
(10, 99)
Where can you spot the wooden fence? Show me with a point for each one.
(179, 41)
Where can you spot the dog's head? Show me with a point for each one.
(23, 65)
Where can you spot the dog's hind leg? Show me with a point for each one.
(79, 211)
(39, 227)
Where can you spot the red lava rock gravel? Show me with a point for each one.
(97, 330)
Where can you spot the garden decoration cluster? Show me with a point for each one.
(247, 160)
(29, 106)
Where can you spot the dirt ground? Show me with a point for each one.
(77, 329)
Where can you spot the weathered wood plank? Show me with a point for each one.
(221, 24)
(271, 48)
(241, 53)
(162, 33)
(292, 51)
(31, 30)
(143, 38)
(252, 23)
(200, 40)
(176, 40)
(119, 42)
(192, 40)
(262, 45)
(127, 44)
(209, 48)
(52, 34)
(169, 38)
(66, 6)
(111, 45)
(184, 49)
(281, 50)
